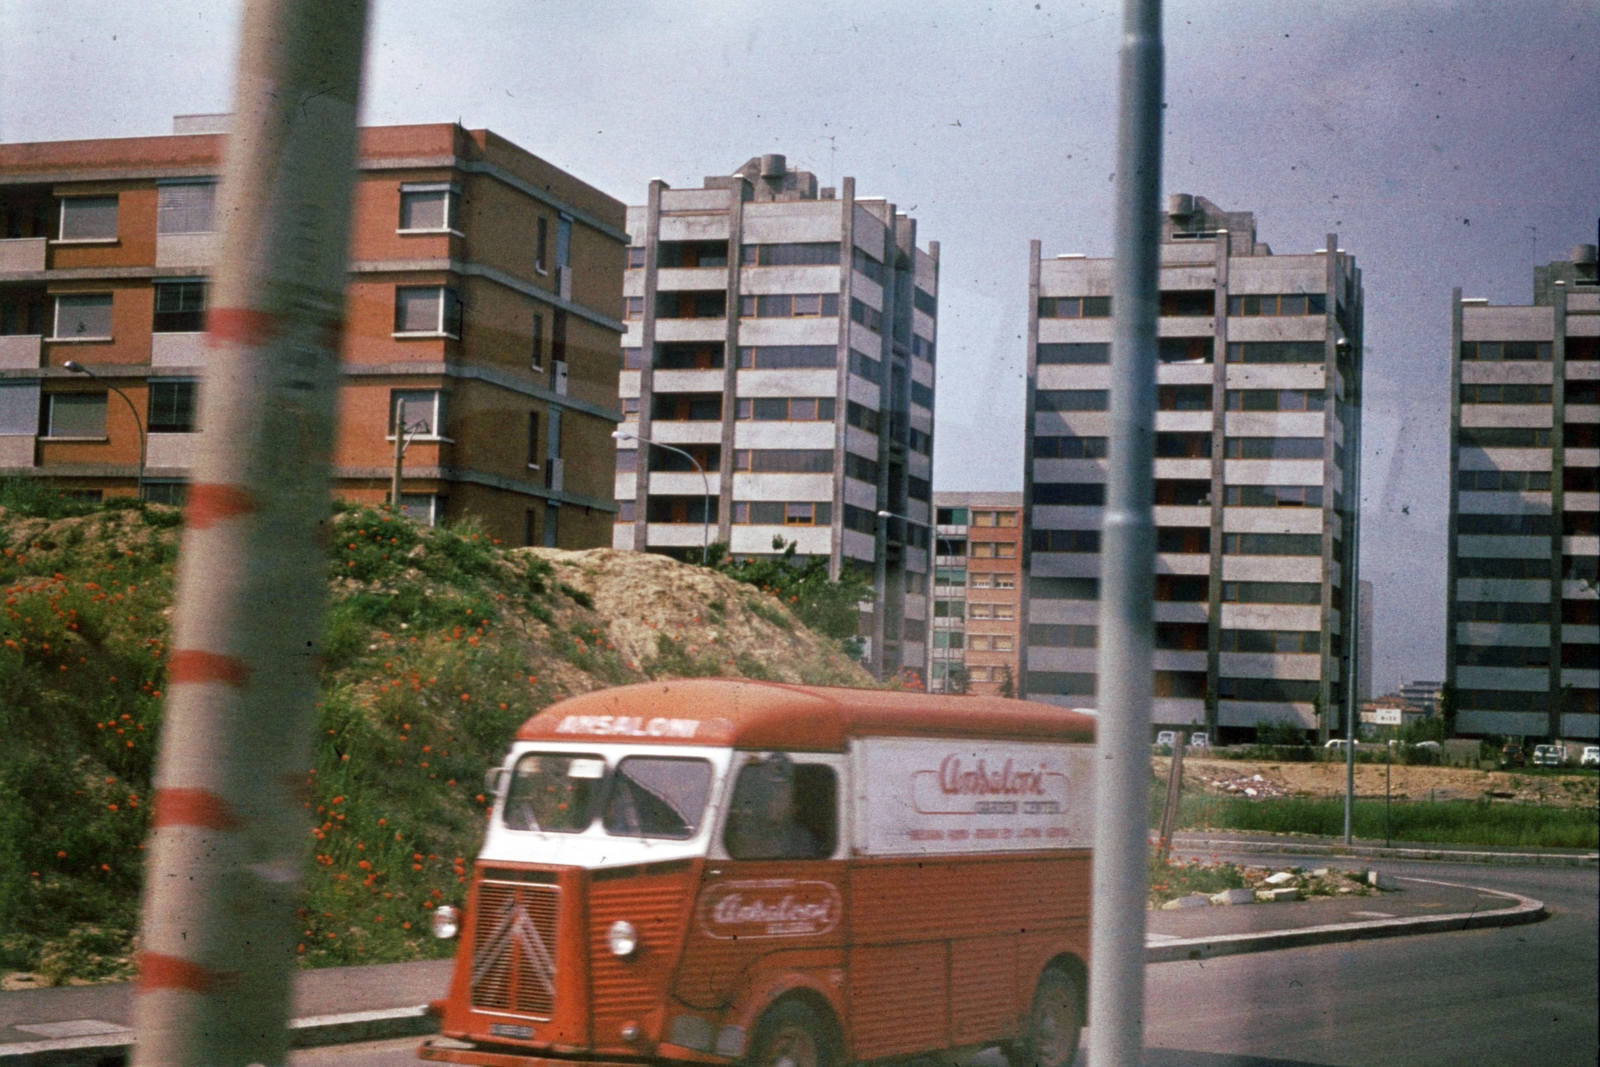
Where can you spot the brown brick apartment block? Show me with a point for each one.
(485, 291)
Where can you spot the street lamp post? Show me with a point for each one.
(78, 368)
(705, 484)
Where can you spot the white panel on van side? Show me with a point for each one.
(916, 796)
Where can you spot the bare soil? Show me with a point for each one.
(1321, 780)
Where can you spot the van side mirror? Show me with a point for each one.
(495, 780)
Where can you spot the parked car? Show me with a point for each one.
(1338, 745)
(1166, 738)
(1549, 755)
(1511, 756)
(1590, 757)
(1432, 746)
(1199, 740)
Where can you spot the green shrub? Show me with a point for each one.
(1453, 822)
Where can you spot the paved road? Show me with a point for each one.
(1521, 995)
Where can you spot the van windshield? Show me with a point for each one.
(554, 792)
(654, 796)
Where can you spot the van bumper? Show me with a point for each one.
(449, 1051)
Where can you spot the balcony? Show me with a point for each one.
(20, 351)
(22, 254)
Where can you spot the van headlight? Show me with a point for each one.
(623, 938)
(446, 922)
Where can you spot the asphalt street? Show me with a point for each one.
(1519, 995)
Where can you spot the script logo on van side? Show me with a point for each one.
(627, 726)
(978, 787)
(771, 907)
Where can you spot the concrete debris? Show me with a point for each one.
(1193, 900)
(1274, 896)
(1255, 786)
(1385, 882)
(1233, 897)
(1281, 878)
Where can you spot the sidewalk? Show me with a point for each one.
(89, 1025)
(1236, 841)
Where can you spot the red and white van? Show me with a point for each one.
(709, 871)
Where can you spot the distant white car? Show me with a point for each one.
(1167, 738)
(1549, 755)
(1431, 746)
(1199, 740)
(1590, 757)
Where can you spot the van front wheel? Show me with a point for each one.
(793, 1035)
(1053, 1025)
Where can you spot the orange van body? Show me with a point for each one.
(955, 876)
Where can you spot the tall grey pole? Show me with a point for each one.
(229, 830)
(1127, 563)
(1352, 620)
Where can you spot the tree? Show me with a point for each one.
(1447, 708)
(827, 605)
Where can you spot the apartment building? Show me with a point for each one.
(484, 293)
(977, 606)
(1523, 644)
(779, 357)
(1258, 421)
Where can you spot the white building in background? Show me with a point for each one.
(783, 336)
(1259, 410)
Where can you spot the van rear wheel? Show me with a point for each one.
(1053, 1025)
(793, 1035)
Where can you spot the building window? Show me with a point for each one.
(1184, 397)
(1183, 540)
(784, 460)
(1510, 394)
(1005, 581)
(812, 254)
(426, 508)
(786, 409)
(1080, 353)
(922, 395)
(172, 405)
(1004, 642)
(24, 316)
(1269, 592)
(867, 265)
(633, 358)
(1271, 399)
(1072, 399)
(541, 244)
(785, 357)
(427, 208)
(1069, 447)
(1279, 304)
(1271, 544)
(1074, 307)
(1272, 496)
(630, 407)
(172, 493)
(1507, 351)
(1183, 446)
(1070, 494)
(773, 513)
(1271, 641)
(536, 356)
(1277, 352)
(1503, 481)
(534, 441)
(870, 317)
(180, 307)
(429, 311)
(922, 348)
(552, 524)
(1188, 303)
(636, 257)
(626, 510)
(1066, 540)
(83, 317)
(689, 305)
(861, 468)
(789, 306)
(76, 415)
(186, 207)
(1272, 447)
(563, 241)
(864, 366)
(88, 218)
(424, 411)
(918, 441)
(686, 407)
(948, 639)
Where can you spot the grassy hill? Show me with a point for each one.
(439, 643)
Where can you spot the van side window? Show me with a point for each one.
(783, 810)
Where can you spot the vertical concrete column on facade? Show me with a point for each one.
(1029, 424)
(1223, 249)
(887, 405)
(227, 850)
(1331, 519)
(647, 364)
(1558, 464)
(847, 227)
(933, 426)
(730, 361)
(1451, 564)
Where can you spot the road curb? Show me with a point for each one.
(1443, 855)
(313, 1031)
(1524, 910)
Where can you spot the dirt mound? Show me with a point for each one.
(1407, 783)
(665, 618)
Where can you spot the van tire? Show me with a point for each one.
(1054, 1024)
(792, 1034)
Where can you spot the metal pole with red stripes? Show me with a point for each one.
(228, 846)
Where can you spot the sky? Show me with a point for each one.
(1446, 143)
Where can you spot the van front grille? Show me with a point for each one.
(514, 949)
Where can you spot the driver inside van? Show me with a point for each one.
(764, 822)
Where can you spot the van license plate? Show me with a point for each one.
(525, 1033)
